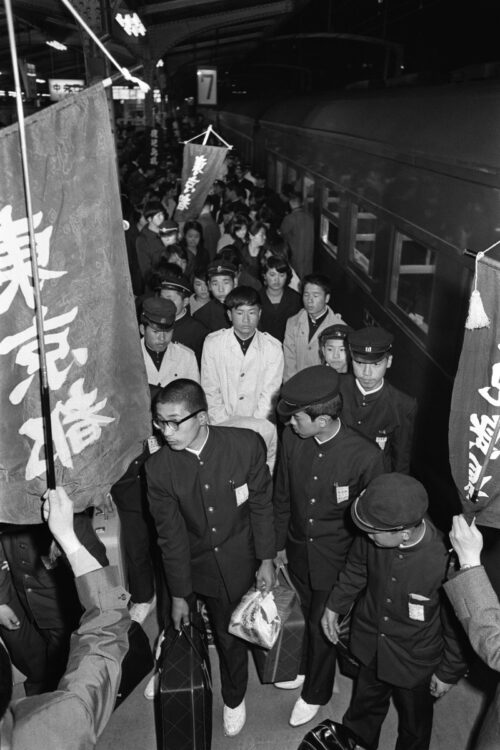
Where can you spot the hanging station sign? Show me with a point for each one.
(207, 86)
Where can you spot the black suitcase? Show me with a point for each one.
(184, 700)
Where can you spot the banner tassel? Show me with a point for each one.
(477, 317)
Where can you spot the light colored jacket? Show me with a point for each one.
(241, 385)
(299, 352)
(178, 362)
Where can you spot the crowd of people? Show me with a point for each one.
(276, 439)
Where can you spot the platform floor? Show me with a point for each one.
(132, 725)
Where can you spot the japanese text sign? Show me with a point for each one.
(96, 376)
(200, 168)
(475, 407)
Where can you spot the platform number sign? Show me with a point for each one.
(207, 86)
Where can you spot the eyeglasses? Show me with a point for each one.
(162, 424)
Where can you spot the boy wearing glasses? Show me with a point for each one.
(209, 492)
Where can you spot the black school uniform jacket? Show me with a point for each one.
(387, 417)
(400, 619)
(213, 513)
(315, 487)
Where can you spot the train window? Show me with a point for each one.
(362, 250)
(271, 168)
(279, 175)
(331, 200)
(330, 235)
(308, 192)
(291, 175)
(329, 225)
(412, 280)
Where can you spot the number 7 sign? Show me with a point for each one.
(207, 86)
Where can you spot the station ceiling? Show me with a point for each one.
(269, 46)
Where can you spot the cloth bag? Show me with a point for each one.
(330, 735)
(256, 619)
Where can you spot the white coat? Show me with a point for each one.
(299, 352)
(178, 362)
(241, 385)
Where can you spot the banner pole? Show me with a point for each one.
(44, 381)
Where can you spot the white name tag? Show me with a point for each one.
(342, 494)
(416, 609)
(241, 494)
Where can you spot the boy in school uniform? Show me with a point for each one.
(401, 632)
(373, 406)
(221, 280)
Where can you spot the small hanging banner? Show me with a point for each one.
(475, 408)
(201, 167)
(100, 409)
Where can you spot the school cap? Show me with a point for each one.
(310, 386)
(179, 283)
(221, 268)
(167, 226)
(391, 502)
(337, 331)
(159, 311)
(370, 343)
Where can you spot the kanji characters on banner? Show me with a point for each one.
(200, 168)
(475, 408)
(100, 410)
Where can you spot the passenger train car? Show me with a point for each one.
(401, 183)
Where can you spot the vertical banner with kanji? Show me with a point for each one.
(200, 168)
(475, 407)
(98, 387)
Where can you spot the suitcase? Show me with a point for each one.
(330, 735)
(106, 523)
(282, 661)
(184, 700)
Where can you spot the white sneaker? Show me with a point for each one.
(303, 712)
(141, 610)
(151, 688)
(234, 719)
(291, 684)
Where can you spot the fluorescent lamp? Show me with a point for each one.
(57, 45)
(41, 80)
(131, 24)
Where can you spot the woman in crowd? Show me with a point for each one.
(192, 241)
(279, 302)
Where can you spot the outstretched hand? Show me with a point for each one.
(467, 541)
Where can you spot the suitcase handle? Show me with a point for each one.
(282, 568)
(203, 658)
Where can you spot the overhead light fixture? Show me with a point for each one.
(160, 63)
(131, 24)
(57, 45)
(41, 80)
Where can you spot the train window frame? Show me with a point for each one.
(329, 217)
(399, 236)
(279, 175)
(309, 196)
(360, 209)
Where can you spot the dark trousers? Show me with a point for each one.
(318, 654)
(370, 703)
(232, 651)
(129, 494)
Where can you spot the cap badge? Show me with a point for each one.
(368, 348)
